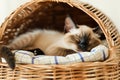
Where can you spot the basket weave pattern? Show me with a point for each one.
(20, 20)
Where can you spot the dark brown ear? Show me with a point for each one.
(98, 31)
(69, 24)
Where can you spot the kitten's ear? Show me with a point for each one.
(98, 31)
(69, 24)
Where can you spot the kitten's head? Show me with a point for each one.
(81, 38)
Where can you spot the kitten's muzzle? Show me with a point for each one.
(83, 45)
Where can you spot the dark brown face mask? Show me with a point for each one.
(84, 43)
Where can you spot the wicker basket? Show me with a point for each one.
(50, 14)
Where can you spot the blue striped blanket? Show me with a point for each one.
(99, 53)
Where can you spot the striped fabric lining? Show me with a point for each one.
(97, 54)
(104, 55)
(81, 57)
(56, 61)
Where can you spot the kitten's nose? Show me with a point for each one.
(83, 45)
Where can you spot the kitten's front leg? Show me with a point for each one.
(58, 51)
(6, 53)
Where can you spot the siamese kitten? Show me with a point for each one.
(54, 43)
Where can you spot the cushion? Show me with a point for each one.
(98, 53)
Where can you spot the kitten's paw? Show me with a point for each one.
(8, 56)
(37, 51)
(11, 62)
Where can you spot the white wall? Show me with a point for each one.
(8, 6)
(109, 7)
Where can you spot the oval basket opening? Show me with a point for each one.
(48, 15)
